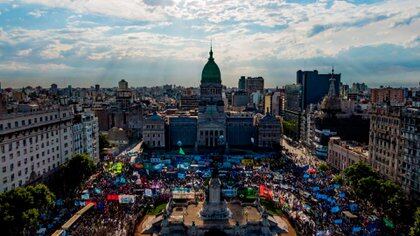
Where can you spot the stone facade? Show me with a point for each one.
(411, 151)
(33, 143)
(269, 131)
(385, 141)
(342, 154)
(154, 131)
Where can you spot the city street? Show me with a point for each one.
(300, 155)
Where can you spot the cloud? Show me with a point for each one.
(37, 13)
(110, 37)
(24, 53)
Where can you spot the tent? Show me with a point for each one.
(112, 197)
(335, 209)
(311, 170)
(388, 223)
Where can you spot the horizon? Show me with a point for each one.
(153, 43)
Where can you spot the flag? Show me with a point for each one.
(181, 151)
(265, 192)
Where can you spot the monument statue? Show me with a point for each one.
(214, 208)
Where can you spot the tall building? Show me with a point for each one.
(390, 96)
(86, 134)
(254, 84)
(211, 130)
(34, 141)
(411, 151)
(385, 141)
(124, 95)
(315, 86)
(241, 83)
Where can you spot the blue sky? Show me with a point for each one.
(155, 42)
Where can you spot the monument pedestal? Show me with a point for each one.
(214, 208)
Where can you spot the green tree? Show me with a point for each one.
(103, 142)
(290, 128)
(20, 208)
(357, 171)
(323, 167)
(415, 229)
(71, 175)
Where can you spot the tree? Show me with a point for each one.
(20, 208)
(71, 175)
(103, 142)
(415, 229)
(357, 171)
(290, 128)
(323, 167)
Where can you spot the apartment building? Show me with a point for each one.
(86, 134)
(33, 141)
(385, 141)
(342, 154)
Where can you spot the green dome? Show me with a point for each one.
(211, 72)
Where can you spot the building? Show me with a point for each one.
(277, 102)
(124, 95)
(254, 84)
(154, 131)
(292, 108)
(240, 130)
(188, 102)
(315, 86)
(269, 131)
(117, 137)
(179, 128)
(390, 96)
(410, 172)
(342, 154)
(240, 98)
(385, 141)
(34, 141)
(268, 102)
(211, 127)
(293, 98)
(86, 134)
(241, 83)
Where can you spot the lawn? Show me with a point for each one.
(158, 209)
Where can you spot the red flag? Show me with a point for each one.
(112, 197)
(265, 192)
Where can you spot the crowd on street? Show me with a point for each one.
(126, 187)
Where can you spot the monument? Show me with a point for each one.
(214, 208)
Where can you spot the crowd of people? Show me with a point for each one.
(126, 187)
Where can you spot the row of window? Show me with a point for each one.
(8, 125)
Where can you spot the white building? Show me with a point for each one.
(154, 131)
(33, 142)
(86, 135)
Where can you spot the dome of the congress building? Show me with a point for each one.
(211, 72)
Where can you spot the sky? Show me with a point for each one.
(156, 42)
